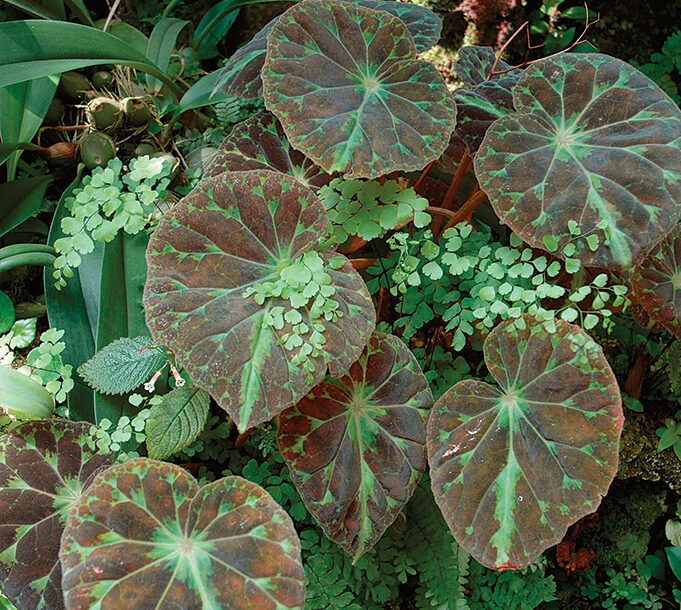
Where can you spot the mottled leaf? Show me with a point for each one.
(176, 421)
(475, 64)
(260, 143)
(241, 76)
(123, 365)
(593, 141)
(44, 467)
(355, 446)
(235, 231)
(481, 105)
(145, 536)
(347, 86)
(513, 467)
(656, 283)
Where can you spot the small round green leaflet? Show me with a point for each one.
(260, 143)
(215, 261)
(347, 86)
(656, 283)
(594, 142)
(355, 446)
(44, 468)
(146, 536)
(513, 467)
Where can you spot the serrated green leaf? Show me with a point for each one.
(123, 365)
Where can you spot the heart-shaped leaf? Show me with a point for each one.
(656, 283)
(356, 445)
(475, 64)
(44, 468)
(260, 143)
(241, 76)
(593, 141)
(211, 260)
(512, 468)
(145, 536)
(355, 103)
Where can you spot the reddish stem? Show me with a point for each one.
(424, 173)
(464, 212)
(453, 189)
(241, 439)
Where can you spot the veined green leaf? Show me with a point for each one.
(161, 44)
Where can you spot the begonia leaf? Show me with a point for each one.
(350, 92)
(513, 466)
(240, 231)
(475, 64)
(146, 536)
(656, 283)
(44, 468)
(260, 143)
(241, 76)
(594, 141)
(355, 446)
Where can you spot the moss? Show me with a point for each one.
(622, 533)
(639, 456)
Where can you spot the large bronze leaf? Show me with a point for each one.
(234, 233)
(44, 468)
(513, 467)
(593, 143)
(356, 445)
(347, 86)
(146, 537)
(260, 143)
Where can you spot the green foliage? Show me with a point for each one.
(629, 586)
(368, 209)
(124, 437)
(21, 335)
(176, 420)
(111, 199)
(670, 435)
(44, 364)
(123, 365)
(662, 66)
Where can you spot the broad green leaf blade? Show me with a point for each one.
(176, 421)
(31, 49)
(656, 283)
(236, 231)
(34, 8)
(593, 141)
(145, 534)
(6, 313)
(123, 365)
(21, 199)
(513, 467)
(24, 397)
(207, 47)
(201, 93)
(44, 468)
(475, 64)
(355, 446)
(79, 9)
(161, 45)
(260, 143)
(24, 106)
(363, 106)
(73, 308)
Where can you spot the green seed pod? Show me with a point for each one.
(97, 149)
(103, 79)
(137, 111)
(104, 114)
(144, 148)
(73, 86)
(174, 162)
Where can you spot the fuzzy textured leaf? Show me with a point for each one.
(44, 467)
(235, 231)
(363, 105)
(593, 141)
(260, 143)
(146, 536)
(176, 421)
(123, 365)
(355, 446)
(656, 283)
(513, 468)
(241, 76)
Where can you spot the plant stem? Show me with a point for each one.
(453, 189)
(465, 210)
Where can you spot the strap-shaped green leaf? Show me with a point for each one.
(513, 467)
